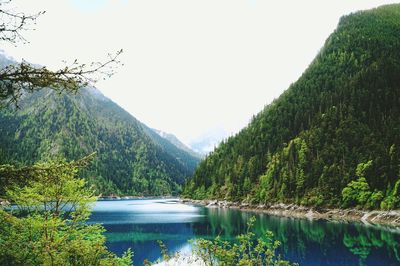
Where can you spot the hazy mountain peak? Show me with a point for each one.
(179, 144)
(206, 142)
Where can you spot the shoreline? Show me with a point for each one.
(115, 197)
(375, 217)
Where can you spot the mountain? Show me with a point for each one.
(129, 160)
(206, 142)
(5, 59)
(176, 142)
(332, 138)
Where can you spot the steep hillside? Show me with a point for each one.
(337, 127)
(129, 160)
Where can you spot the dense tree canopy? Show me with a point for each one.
(306, 146)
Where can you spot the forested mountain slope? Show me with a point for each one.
(332, 138)
(129, 160)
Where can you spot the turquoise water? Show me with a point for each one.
(138, 224)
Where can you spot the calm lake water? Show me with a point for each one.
(138, 224)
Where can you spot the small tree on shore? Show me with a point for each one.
(48, 224)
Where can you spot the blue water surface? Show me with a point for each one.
(138, 224)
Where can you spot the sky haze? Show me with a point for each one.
(189, 66)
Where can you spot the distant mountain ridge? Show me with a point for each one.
(174, 140)
(206, 142)
(129, 160)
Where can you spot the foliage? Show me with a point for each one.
(246, 251)
(356, 193)
(164, 250)
(48, 224)
(392, 200)
(305, 147)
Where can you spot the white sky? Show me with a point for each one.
(189, 66)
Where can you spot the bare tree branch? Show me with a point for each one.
(13, 23)
(17, 78)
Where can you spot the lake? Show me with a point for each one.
(138, 224)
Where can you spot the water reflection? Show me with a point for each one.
(138, 224)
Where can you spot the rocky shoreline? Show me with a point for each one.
(116, 197)
(391, 218)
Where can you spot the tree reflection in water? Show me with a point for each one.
(303, 241)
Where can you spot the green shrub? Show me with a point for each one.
(247, 250)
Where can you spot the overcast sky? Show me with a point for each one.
(189, 66)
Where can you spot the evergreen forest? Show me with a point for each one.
(332, 138)
(131, 158)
